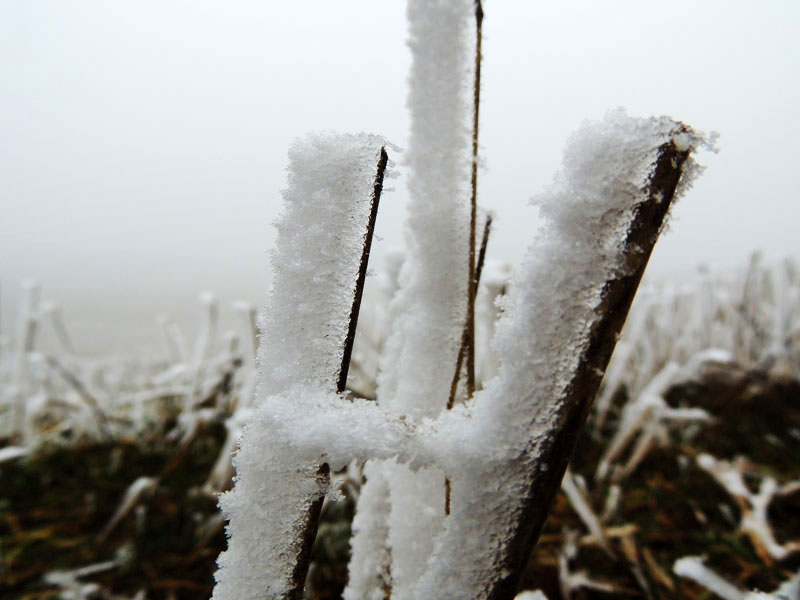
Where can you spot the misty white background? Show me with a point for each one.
(143, 144)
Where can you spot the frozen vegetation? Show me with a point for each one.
(136, 400)
(451, 484)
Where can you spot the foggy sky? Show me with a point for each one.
(143, 144)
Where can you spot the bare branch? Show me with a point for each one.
(473, 285)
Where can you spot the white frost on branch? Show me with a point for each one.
(580, 503)
(540, 340)
(693, 567)
(754, 507)
(433, 279)
(370, 577)
(315, 263)
(649, 418)
(420, 354)
(316, 258)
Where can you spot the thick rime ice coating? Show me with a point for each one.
(416, 518)
(316, 260)
(420, 354)
(369, 569)
(266, 510)
(276, 482)
(321, 426)
(369, 577)
(553, 303)
(433, 282)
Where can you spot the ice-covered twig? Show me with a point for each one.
(13, 453)
(69, 581)
(204, 345)
(692, 567)
(208, 333)
(754, 522)
(173, 350)
(139, 490)
(754, 319)
(249, 315)
(53, 311)
(467, 339)
(421, 350)
(221, 474)
(28, 323)
(369, 571)
(650, 417)
(318, 267)
(383, 160)
(176, 345)
(630, 551)
(323, 426)
(571, 581)
(83, 394)
(582, 508)
(612, 380)
(788, 590)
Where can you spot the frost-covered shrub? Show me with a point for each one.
(456, 492)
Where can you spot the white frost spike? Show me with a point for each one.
(53, 311)
(315, 264)
(369, 565)
(28, 324)
(249, 315)
(433, 280)
(205, 343)
(420, 354)
(580, 504)
(755, 523)
(136, 492)
(204, 346)
(692, 567)
(71, 586)
(316, 258)
(13, 452)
